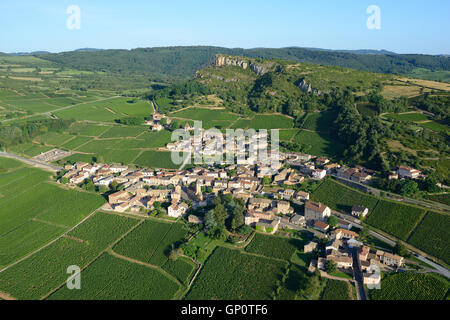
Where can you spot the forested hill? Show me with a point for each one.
(180, 63)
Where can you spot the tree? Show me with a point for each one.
(333, 221)
(220, 214)
(266, 180)
(312, 288)
(409, 187)
(210, 220)
(238, 218)
(114, 185)
(401, 249)
(330, 267)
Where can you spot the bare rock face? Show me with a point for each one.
(257, 68)
(303, 85)
(231, 61)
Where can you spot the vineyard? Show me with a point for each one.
(110, 278)
(339, 197)
(274, 247)
(46, 270)
(230, 274)
(411, 286)
(433, 235)
(394, 218)
(337, 290)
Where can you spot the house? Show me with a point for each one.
(357, 211)
(298, 220)
(118, 168)
(407, 172)
(344, 233)
(389, 258)
(344, 224)
(310, 247)
(284, 207)
(269, 226)
(363, 253)
(371, 278)
(287, 194)
(316, 211)
(319, 173)
(334, 245)
(119, 196)
(177, 209)
(82, 175)
(195, 219)
(331, 167)
(343, 262)
(302, 196)
(321, 226)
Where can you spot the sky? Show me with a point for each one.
(404, 26)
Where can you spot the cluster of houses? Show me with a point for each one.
(406, 172)
(155, 123)
(344, 250)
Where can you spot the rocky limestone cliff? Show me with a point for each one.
(303, 85)
(257, 68)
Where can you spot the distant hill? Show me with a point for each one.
(180, 63)
(88, 49)
(30, 53)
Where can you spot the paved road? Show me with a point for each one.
(397, 197)
(32, 162)
(359, 284)
(438, 268)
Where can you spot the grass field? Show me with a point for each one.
(46, 270)
(433, 235)
(320, 121)
(411, 116)
(410, 286)
(110, 278)
(230, 274)
(319, 144)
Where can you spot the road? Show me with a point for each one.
(34, 163)
(359, 281)
(396, 197)
(438, 268)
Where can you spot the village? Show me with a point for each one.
(185, 192)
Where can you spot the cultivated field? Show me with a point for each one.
(410, 286)
(230, 274)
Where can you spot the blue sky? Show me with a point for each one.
(406, 26)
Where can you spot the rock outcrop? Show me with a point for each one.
(257, 68)
(303, 85)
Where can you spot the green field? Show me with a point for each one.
(442, 198)
(410, 286)
(320, 121)
(110, 278)
(46, 270)
(156, 159)
(34, 210)
(341, 198)
(433, 235)
(337, 290)
(395, 218)
(274, 247)
(412, 116)
(230, 274)
(318, 144)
